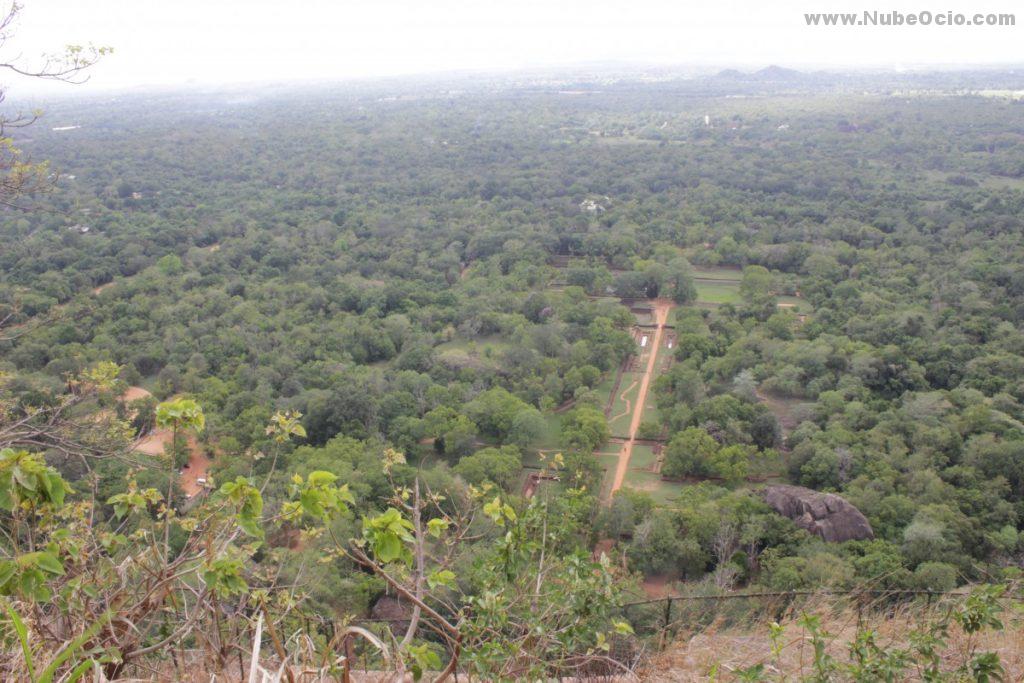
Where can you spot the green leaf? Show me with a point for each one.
(80, 670)
(7, 570)
(442, 577)
(388, 547)
(72, 649)
(19, 628)
(436, 527)
(24, 479)
(49, 562)
(56, 488)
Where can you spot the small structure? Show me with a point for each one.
(825, 514)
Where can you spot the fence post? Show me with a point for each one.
(346, 647)
(664, 629)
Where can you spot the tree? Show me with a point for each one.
(689, 453)
(500, 466)
(495, 410)
(528, 426)
(62, 556)
(170, 265)
(628, 508)
(454, 433)
(179, 416)
(731, 463)
(680, 279)
(756, 290)
(18, 176)
(585, 428)
(656, 545)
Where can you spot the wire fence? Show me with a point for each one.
(658, 622)
(665, 617)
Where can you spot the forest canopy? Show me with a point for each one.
(340, 299)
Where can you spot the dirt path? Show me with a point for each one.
(661, 310)
(134, 394)
(156, 442)
(626, 401)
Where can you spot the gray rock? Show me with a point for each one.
(825, 514)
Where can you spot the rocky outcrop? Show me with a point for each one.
(824, 514)
(392, 611)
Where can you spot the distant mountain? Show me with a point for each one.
(777, 73)
(771, 73)
(732, 74)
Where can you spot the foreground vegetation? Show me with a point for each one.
(974, 637)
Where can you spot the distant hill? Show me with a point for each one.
(778, 73)
(731, 74)
(771, 73)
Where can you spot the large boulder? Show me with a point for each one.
(825, 514)
(393, 611)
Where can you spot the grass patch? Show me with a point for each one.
(643, 318)
(482, 346)
(651, 413)
(608, 462)
(664, 493)
(717, 273)
(604, 389)
(552, 431)
(718, 292)
(643, 458)
(1002, 182)
(624, 403)
(641, 477)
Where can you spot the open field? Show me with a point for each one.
(643, 458)
(603, 390)
(607, 461)
(717, 292)
(651, 412)
(552, 431)
(478, 346)
(717, 273)
(717, 284)
(643, 317)
(643, 476)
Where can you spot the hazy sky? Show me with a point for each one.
(210, 41)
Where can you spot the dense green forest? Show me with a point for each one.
(455, 289)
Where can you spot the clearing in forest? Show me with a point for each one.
(155, 443)
(785, 410)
